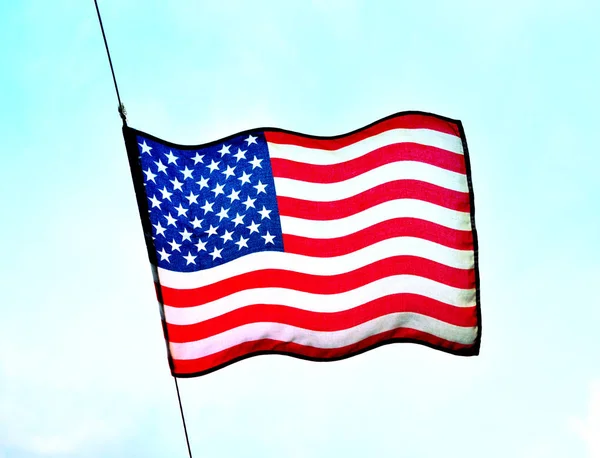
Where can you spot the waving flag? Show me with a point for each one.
(270, 241)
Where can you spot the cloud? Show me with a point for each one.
(588, 428)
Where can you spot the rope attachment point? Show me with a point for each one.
(123, 113)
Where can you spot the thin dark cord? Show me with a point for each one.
(122, 111)
(123, 115)
(187, 440)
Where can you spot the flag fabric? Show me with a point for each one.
(271, 241)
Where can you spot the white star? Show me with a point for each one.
(260, 188)
(203, 183)
(268, 238)
(171, 220)
(174, 245)
(192, 198)
(213, 165)
(161, 167)
(234, 195)
(239, 219)
(228, 171)
(145, 148)
(225, 150)
(190, 258)
(223, 214)
(207, 207)
(166, 194)
(185, 235)
(164, 256)
(256, 163)
(201, 246)
(181, 211)
(264, 213)
(241, 154)
(159, 229)
(226, 236)
(253, 227)
(196, 223)
(198, 158)
(245, 178)
(155, 202)
(187, 173)
(241, 243)
(171, 158)
(218, 189)
(250, 140)
(249, 203)
(211, 231)
(216, 253)
(176, 184)
(149, 175)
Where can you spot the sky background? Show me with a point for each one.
(83, 369)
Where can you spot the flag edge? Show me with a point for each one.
(456, 122)
(466, 352)
(463, 137)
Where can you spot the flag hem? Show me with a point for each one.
(301, 134)
(471, 351)
(463, 137)
(137, 176)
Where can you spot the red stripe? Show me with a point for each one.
(398, 227)
(320, 284)
(327, 322)
(412, 121)
(399, 189)
(192, 366)
(285, 168)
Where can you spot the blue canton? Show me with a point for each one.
(211, 205)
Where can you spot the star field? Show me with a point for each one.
(210, 205)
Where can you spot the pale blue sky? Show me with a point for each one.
(83, 371)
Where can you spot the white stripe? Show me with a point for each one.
(405, 170)
(324, 303)
(322, 339)
(398, 246)
(402, 208)
(314, 156)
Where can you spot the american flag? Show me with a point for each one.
(271, 241)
